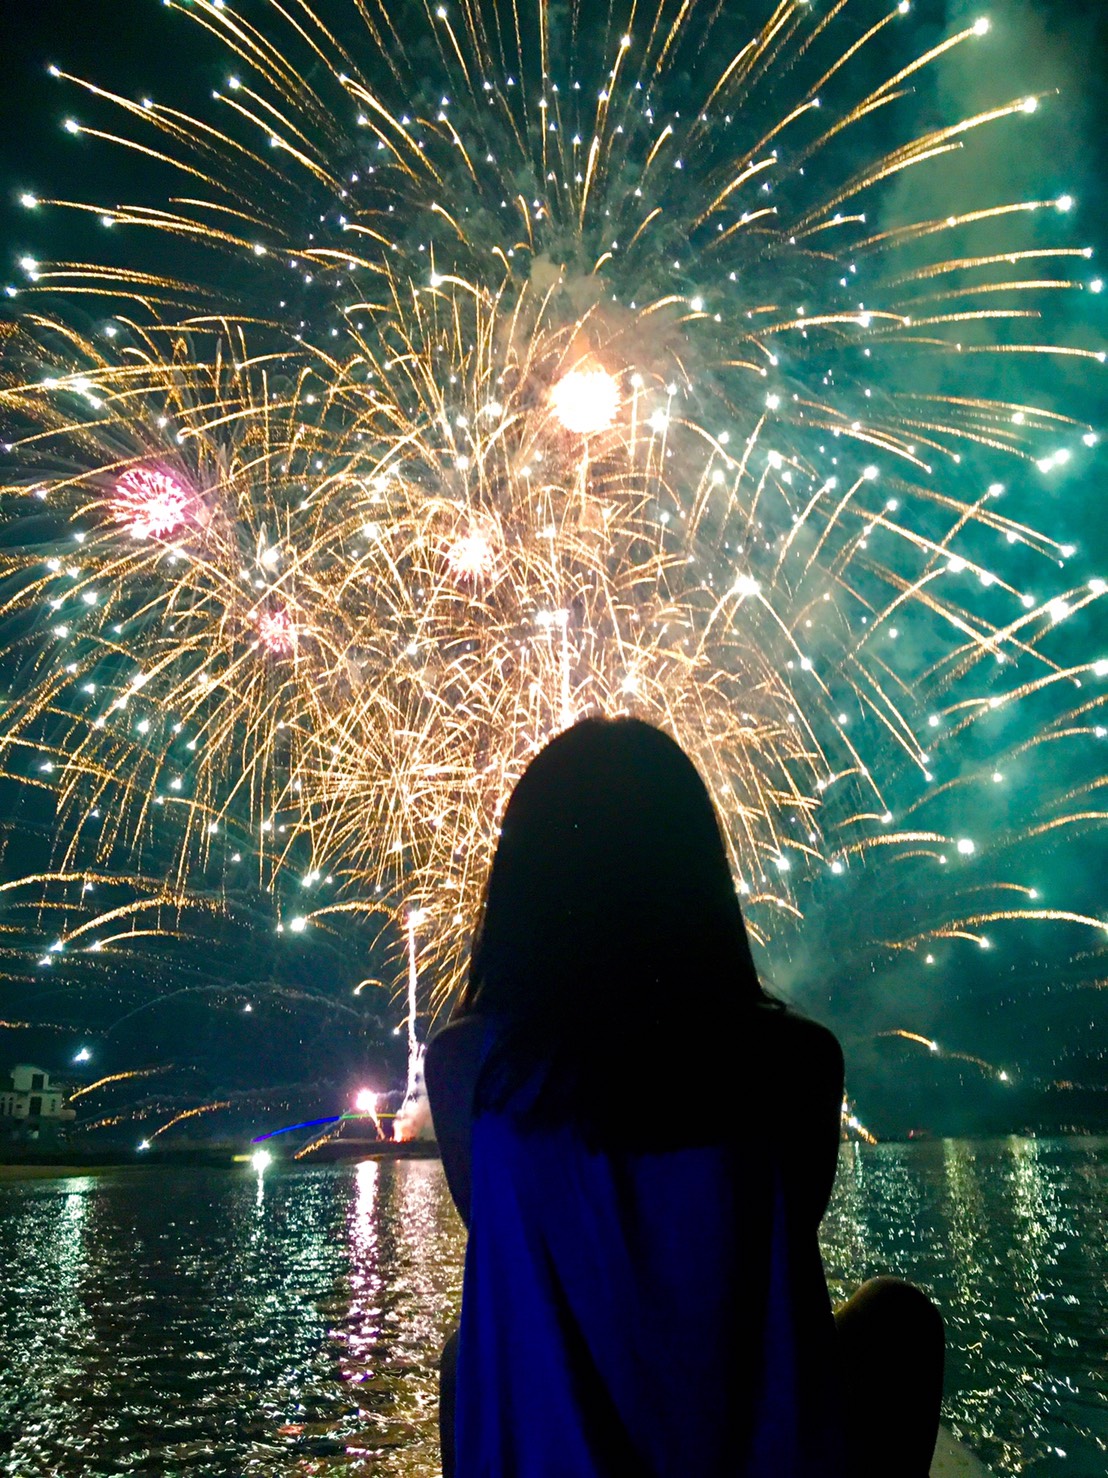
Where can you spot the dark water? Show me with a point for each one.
(203, 1322)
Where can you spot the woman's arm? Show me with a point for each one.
(827, 1064)
(450, 1072)
(803, 1077)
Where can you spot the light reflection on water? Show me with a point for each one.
(211, 1322)
(1011, 1238)
(202, 1321)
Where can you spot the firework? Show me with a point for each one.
(851, 1127)
(366, 1104)
(989, 1069)
(190, 1113)
(611, 376)
(124, 1077)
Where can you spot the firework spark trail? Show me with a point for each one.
(320, 1139)
(574, 401)
(124, 1077)
(191, 1113)
(851, 1124)
(988, 1068)
(18, 1026)
(912, 1037)
(415, 918)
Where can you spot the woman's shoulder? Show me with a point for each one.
(797, 1080)
(460, 1039)
(785, 1030)
(452, 1063)
(795, 1064)
(451, 1067)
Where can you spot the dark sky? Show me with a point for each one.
(140, 46)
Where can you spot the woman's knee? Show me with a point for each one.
(448, 1380)
(891, 1341)
(448, 1360)
(896, 1306)
(904, 1301)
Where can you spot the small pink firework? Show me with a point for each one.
(150, 503)
(277, 632)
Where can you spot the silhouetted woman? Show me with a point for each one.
(642, 1145)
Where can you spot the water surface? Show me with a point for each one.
(200, 1321)
(1010, 1236)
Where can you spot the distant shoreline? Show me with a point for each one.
(62, 1164)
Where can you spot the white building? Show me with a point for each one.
(31, 1106)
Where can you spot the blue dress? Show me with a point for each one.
(630, 1314)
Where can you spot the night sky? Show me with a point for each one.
(271, 1022)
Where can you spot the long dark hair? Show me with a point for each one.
(611, 945)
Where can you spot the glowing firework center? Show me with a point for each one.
(585, 401)
(150, 503)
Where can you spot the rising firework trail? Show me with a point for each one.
(567, 363)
